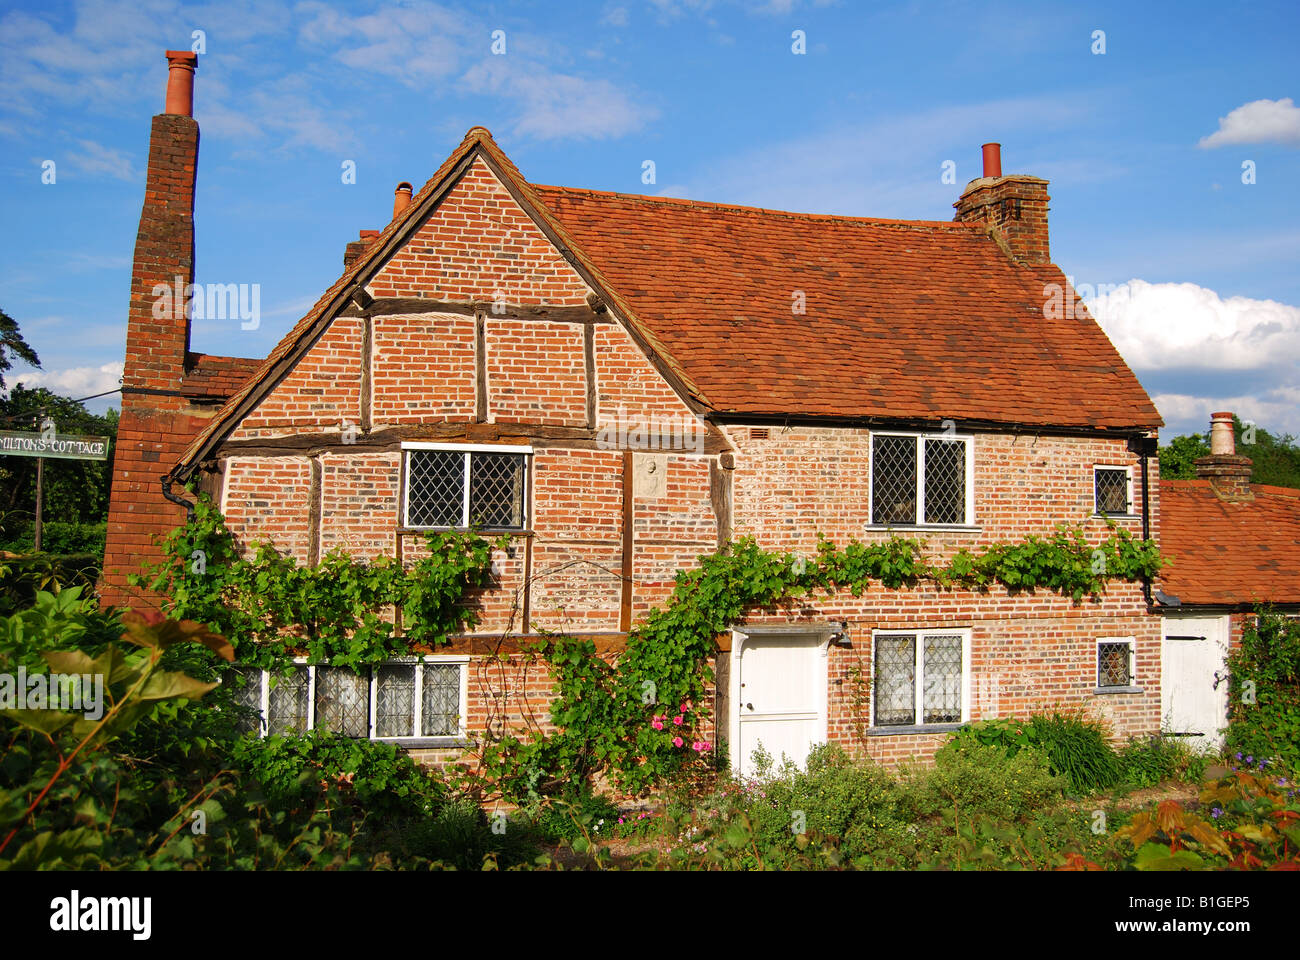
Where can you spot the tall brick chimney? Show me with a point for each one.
(157, 418)
(158, 330)
(1013, 208)
(1229, 474)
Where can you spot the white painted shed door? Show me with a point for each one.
(779, 703)
(1192, 656)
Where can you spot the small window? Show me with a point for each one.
(482, 487)
(399, 700)
(920, 480)
(920, 675)
(1115, 662)
(1113, 488)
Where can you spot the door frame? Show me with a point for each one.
(1223, 642)
(824, 631)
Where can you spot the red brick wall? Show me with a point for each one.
(322, 391)
(268, 498)
(535, 372)
(420, 369)
(478, 245)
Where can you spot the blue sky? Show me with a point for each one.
(1144, 145)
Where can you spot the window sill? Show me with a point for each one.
(1117, 516)
(425, 743)
(925, 527)
(1102, 691)
(914, 728)
(513, 531)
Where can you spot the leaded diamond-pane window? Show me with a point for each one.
(919, 668)
(343, 701)
(920, 480)
(1112, 491)
(1115, 663)
(395, 699)
(440, 707)
(289, 702)
(435, 488)
(895, 680)
(945, 481)
(249, 696)
(942, 682)
(460, 488)
(496, 489)
(893, 480)
(401, 699)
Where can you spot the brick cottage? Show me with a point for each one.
(623, 383)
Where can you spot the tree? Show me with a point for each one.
(75, 491)
(13, 345)
(1275, 457)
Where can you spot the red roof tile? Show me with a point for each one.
(1230, 553)
(904, 319)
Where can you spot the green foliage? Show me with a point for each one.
(270, 606)
(296, 772)
(22, 576)
(587, 814)
(974, 778)
(1264, 690)
(1076, 748)
(1178, 456)
(1150, 761)
(75, 492)
(459, 837)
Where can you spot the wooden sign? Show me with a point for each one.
(55, 446)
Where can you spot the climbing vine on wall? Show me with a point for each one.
(271, 607)
(638, 719)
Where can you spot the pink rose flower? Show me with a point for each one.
(686, 705)
(677, 741)
(658, 724)
(677, 721)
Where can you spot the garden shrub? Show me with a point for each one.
(1265, 669)
(1148, 761)
(459, 836)
(295, 770)
(1076, 747)
(973, 778)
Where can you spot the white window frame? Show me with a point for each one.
(1130, 508)
(918, 691)
(468, 449)
(1132, 662)
(420, 662)
(920, 438)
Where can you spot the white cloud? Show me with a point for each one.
(1260, 121)
(1277, 410)
(95, 159)
(552, 106)
(75, 382)
(615, 17)
(1173, 326)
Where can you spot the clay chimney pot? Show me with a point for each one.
(181, 65)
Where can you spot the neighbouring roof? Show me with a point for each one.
(216, 377)
(1229, 553)
(921, 320)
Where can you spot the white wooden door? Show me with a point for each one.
(1192, 659)
(781, 698)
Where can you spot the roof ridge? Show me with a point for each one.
(768, 211)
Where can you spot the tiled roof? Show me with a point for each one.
(904, 319)
(216, 377)
(1230, 553)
